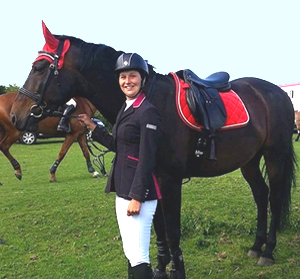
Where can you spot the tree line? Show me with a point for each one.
(10, 88)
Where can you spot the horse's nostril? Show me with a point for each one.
(13, 118)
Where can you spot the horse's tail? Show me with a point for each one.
(289, 180)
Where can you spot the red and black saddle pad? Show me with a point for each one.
(237, 114)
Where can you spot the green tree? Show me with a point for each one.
(2, 89)
(98, 115)
(12, 88)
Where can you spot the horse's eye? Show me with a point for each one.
(39, 66)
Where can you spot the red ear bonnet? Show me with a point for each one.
(51, 47)
(51, 41)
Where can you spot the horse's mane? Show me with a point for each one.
(93, 55)
(96, 55)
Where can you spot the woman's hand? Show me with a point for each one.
(85, 120)
(134, 208)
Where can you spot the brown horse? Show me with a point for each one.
(297, 123)
(9, 134)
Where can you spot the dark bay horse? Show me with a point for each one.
(9, 134)
(87, 69)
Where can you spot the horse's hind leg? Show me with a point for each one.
(252, 173)
(280, 166)
(70, 138)
(83, 145)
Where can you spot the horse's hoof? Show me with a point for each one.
(53, 180)
(19, 176)
(1, 184)
(96, 174)
(265, 261)
(254, 254)
(2, 242)
(157, 274)
(91, 170)
(176, 274)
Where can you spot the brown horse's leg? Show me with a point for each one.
(5, 144)
(82, 143)
(70, 138)
(15, 164)
(253, 176)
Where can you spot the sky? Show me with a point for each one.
(257, 38)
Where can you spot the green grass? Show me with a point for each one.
(68, 229)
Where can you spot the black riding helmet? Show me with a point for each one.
(132, 61)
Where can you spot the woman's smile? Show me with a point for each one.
(130, 83)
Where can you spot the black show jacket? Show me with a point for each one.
(134, 139)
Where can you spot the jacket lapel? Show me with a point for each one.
(123, 114)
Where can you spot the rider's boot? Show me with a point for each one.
(142, 271)
(64, 125)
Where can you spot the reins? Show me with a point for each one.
(99, 160)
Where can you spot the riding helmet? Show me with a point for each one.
(132, 61)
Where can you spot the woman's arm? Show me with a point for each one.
(99, 134)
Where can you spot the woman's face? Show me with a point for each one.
(130, 83)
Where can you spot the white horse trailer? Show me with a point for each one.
(293, 91)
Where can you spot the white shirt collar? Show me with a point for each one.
(129, 103)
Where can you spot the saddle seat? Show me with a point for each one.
(219, 80)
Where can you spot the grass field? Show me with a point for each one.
(68, 229)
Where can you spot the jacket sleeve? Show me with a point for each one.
(150, 130)
(101, 135)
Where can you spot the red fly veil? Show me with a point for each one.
(51, 47)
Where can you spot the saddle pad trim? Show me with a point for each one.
(187, 117)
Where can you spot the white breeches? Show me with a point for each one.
(135, 230)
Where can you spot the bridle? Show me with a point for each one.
(39, 109)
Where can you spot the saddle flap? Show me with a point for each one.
(205, 102)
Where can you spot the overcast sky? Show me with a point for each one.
(258, 38)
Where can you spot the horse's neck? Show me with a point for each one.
(108, 102)
(6, 101)
(163, 87)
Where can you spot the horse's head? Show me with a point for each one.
(52, 81)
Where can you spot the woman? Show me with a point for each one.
(134, 139)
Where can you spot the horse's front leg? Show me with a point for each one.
(4, 147)
(163, 256)
(171, 205)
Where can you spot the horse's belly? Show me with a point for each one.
(232, 152)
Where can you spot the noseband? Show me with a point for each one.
(38, 109)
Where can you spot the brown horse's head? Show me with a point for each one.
(52, 81)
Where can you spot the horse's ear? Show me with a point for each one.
(50, 39)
